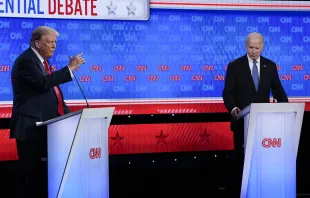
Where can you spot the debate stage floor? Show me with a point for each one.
(160, 175)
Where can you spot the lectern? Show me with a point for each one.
(271, 138)
(78, 158)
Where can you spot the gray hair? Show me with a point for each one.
(254, 35)
(41, 31)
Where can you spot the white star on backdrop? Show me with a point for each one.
(111, 8)
(131, 8)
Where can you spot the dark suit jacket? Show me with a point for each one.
(239, 90)
(34, 99)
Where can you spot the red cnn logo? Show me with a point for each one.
(95, 153)
(271, 142)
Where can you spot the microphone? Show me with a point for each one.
(51, 69)
(81, 90)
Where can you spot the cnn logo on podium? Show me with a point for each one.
(271, 142)
(95, 153)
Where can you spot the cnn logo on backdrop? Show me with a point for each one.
(271, 142)
(95, 153)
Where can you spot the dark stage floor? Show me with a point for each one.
(167, 175)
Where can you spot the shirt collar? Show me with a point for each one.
(251, 60)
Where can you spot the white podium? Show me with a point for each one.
(78, 158)
(271, 138)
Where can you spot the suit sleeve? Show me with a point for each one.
(31, 73)
(276, 86)
(229, 89)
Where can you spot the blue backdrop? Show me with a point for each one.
(176, 54)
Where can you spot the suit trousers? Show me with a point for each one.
(32, 177)
(238, 159)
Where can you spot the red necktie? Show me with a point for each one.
(57, 91)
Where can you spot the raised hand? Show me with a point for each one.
(76, 61)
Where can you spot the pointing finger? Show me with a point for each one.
(79, 55)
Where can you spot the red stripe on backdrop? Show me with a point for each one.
(151, 138)
(130, 109)
(229, 4)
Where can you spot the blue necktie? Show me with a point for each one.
(255, 74)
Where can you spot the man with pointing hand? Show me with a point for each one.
(37, 97)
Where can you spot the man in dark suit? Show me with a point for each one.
(36, 97)
(249, 79)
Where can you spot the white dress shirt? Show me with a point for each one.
(251, 64)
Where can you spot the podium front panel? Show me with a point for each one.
(87, 175)
(60, 137)
(273, 160)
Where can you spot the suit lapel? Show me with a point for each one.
(247, 70)
(42, 68)
(39, 64)
(263, 70)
